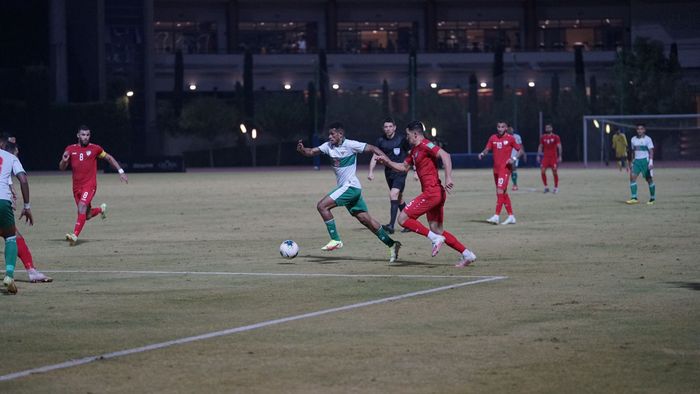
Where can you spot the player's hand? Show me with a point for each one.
(448, 184)
(415, 176)
(27, 215)
(123, 178)
(650, 166)
(370, 176)
(538, 159)
(481, 156)
(300, 146)
(65, 157)
(559, 159)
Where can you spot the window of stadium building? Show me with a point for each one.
(188, 36)
(478, 36)
(376, 37)
(592, 34)
(278, 37)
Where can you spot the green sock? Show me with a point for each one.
(384, 237)
(10, 256)
(330, 226)
(652, 191)
(633, 189)
(514, 176)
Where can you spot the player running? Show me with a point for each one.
(502, 144)
(11, 166)
(395, 146)
(348, 192)
(550, 144)
(7, 143)
(516, 155)
(643, 163)
(431, 202)
(82, 158)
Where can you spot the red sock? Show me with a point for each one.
(499, 203)
(509, 207)
(94, 212)
(24, 254)
(79, 223)
(556, 179)
(544, 179)
(452, 242)
(416, 226)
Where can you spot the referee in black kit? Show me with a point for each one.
(395, 146)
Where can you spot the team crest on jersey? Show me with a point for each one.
(88, 153)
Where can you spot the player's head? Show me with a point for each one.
(389, 127)
(336, 133)
(501, 126)
(641, 129)
(10, 147)
(84, 135)
(415, 132)
(548, 128)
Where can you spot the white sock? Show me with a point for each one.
(433, 236)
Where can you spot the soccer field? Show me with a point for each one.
(182, 289)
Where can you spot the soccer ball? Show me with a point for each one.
(289, 249)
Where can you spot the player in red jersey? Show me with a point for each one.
(502, 145)
(550, 143)
(82, 158)
(424, 156)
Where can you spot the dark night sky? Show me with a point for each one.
(24, 33)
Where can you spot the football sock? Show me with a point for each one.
(416, 227)
(633, 189)
(79, 223)
(499, 203)
(652, 191)
(452, 242)
(394, 211)
(24, 254)
(506, 201)
(10, 256)
(94, 212)
(433, 236)
(514, 177)
(332, 231)
(544, 179)
(556, 179)
(384, 237)
(402, 206)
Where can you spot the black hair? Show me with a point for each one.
(83, 127)
(415, 126)
(389, 119)
(9, 147)
(502, 121)
(641, 124)
(336, 125)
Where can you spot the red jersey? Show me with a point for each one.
(549, 144)
(502, 147)
(424, 157)
(83, 163)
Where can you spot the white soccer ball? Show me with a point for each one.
(289, 249)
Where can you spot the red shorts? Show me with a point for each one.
(430, 203)
(549, 162)
(84, 193)
(501, 179)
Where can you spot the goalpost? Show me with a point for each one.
(674, 126)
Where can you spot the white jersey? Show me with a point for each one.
(9, 166)
(641, 147)
(514, 153)
(344, 161)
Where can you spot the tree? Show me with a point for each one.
(594, 95)
(282, 115)
(208, 118)
(178, 85)
(322, 87)
(579, 70)
(554, 98)
(412, 71)
(474, 103)
(248, 97)
(386, 109)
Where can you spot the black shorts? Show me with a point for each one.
(395, 180)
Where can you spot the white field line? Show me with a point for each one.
(162, 345)
(223, 273)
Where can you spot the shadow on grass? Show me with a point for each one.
(327, 259)
(687, 285)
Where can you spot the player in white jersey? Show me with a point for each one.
(516, 155)
(11, 166)
(348, 191)
(642, 162)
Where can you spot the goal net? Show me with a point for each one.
(675, 136)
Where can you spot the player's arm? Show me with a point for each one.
(372, 164)
(65, 160)
(447, 164)
(308, 152)
(115, 164)
(24, 186)
(539, 152)
(559, 150)
(651, 158)
(486, 150)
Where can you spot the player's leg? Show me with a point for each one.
(514, 175)
(324, 209)
(408, 218)
(25, 255)
(499, 181)
(8, 232)
(634, 174)
(505, 197)
(555, 174)
(358, 209)
(543, 174)
(652, 186)
(83, 197)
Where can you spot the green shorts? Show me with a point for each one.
(641, 166)
(7, 214)
(350, 198)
